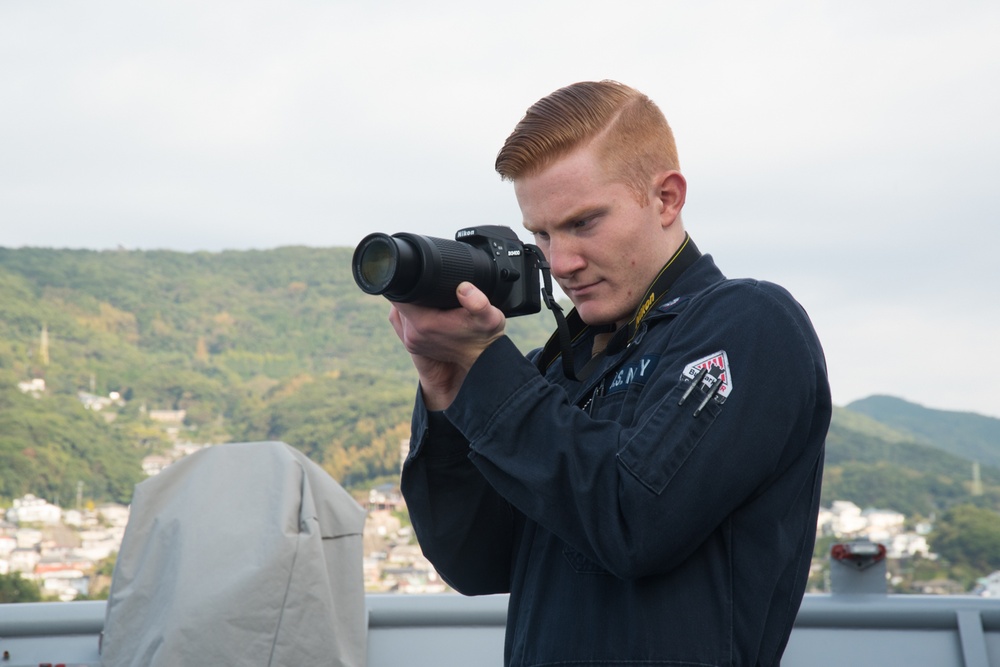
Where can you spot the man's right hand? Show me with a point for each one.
(444, 344)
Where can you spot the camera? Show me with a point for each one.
(424, 270)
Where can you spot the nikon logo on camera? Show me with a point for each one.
(465, 232)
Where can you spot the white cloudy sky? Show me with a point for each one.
(849, 150)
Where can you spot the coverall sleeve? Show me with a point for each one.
(637, 498)
(464, 526)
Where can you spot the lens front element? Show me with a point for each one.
(377, 264)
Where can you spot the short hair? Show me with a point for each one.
(630, 133)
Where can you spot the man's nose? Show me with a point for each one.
(564, 258)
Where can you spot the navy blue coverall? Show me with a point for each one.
(661, 512)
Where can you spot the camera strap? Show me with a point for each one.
(562, 334)
(685, 256)
(568, 329)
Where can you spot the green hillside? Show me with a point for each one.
(874, 465)
(253, 345)
(281, 345)
(965, 434)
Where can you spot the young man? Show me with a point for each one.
(659, 506)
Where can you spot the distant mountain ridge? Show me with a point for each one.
(968, 435)
(874, 459)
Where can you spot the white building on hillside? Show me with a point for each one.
(907, 545)
(35, 387)
(882, 525)
(29, 509)
(113, 514)
(988, 586)
(842, 519)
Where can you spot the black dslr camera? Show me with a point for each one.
(425, 270)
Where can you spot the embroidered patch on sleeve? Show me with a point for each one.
(716, 368)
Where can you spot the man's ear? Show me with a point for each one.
(670, 192)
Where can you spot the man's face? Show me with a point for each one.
(603, 246)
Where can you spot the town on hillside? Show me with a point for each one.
(69, 552)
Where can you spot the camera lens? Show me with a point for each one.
(383, 264)
(377, 264)
(424, 270)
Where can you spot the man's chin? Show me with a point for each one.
(593, 315)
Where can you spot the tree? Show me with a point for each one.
(968, 536)
(15, 588)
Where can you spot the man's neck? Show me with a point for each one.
(601, 341)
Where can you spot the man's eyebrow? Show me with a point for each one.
(576, 216)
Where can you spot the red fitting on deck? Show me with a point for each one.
(859, 554)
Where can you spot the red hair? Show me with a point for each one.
(629, 132)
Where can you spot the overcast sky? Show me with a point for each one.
(848, 150)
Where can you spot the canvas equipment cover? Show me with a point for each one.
(240, 554)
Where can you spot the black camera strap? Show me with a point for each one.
(568, 329)
(564, 333)
(685, 256)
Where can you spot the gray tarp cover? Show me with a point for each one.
(241, 554)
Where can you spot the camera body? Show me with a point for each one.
(424, 270)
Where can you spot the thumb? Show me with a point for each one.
(472, 298)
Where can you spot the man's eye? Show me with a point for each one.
(544, 236)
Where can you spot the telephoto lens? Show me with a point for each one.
(423, 270)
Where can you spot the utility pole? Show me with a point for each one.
(43, 346)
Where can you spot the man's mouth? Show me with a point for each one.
(580, 290)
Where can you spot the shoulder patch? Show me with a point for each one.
(716, 366)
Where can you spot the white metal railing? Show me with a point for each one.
(445, 630)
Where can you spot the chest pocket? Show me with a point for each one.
(620, 390)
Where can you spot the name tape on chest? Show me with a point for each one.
(636, 372)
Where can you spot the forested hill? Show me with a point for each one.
(277, 344)
(874, 464)
(281, 345)
(968, 435)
